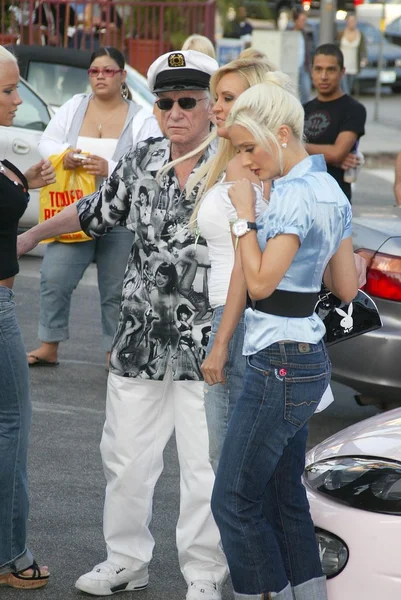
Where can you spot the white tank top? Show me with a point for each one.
(214, 217)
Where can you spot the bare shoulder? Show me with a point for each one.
(236, 171)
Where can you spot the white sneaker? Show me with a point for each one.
(203, 589)
(107, 579)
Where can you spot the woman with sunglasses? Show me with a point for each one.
(97, 129)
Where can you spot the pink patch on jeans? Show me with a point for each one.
(282, 372)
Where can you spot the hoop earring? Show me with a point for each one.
(284, 145)
(124, 91)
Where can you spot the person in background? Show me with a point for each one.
(18, 568)
(104, 124)
(397, 183)
(240, 27)
(334, 122)
(259, 501)
(200, 43)
(150, 395)
(353, 46)
(304, 57)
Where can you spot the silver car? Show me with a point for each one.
(370, 364)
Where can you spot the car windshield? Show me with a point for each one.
(395, 26)
(58, 83)
(372, 35)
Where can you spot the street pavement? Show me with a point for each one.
(66, 479)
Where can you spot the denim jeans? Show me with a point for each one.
(347, 83)
(220, 399)
(15, 421)
(304, 85)
(258, 500)
(63, 267)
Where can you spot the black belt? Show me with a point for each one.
(287, 304)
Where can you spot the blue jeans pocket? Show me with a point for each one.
(304, 389)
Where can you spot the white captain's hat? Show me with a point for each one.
(183, 70)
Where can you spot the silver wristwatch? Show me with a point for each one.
(240, 227)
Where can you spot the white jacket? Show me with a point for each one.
(54, 138)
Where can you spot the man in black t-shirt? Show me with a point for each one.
(334, 121)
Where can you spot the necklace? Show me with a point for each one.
(99, 126)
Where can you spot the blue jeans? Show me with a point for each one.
(347, 83)
(63, 267)
(220, 399)
(15, 422)
(258, 501)
(305, 85)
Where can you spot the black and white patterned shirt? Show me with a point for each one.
(165, 310)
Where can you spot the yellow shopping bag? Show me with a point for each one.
(69, 187)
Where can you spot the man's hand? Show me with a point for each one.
(25, 243)
(95, 165)
(213, 366)
(40, 174)
(361, 266)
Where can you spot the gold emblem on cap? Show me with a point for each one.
(176, 60)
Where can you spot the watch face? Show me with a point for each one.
(240, 227)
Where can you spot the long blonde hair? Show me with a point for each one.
(200, 43)
(265, 107)
(253, 70)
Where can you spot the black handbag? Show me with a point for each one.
(345, 321)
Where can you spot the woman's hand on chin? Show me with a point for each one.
(243, 197)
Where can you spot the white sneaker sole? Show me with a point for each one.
(130, 586)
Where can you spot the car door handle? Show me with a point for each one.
(20, 147)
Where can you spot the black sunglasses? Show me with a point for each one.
(184, 103)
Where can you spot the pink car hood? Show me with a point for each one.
(379, 436)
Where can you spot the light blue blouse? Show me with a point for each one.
(309, 203)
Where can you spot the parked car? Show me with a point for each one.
(353, 483)
(19, 143)
(391, 71)
(370, 363)
(371, 11)
(393, 32)
(59, 73)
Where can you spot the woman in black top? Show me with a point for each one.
(17, 566)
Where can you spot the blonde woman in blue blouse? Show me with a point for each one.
(304, 236)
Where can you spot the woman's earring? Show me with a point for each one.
(284, 145)
(124, 90)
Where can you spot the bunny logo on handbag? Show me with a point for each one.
(347, 322)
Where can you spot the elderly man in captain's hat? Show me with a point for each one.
(152, 389)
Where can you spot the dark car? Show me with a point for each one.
(393, 32)
(391, 71)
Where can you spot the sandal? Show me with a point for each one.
(37, 579)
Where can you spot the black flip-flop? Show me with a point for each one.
(42, 362)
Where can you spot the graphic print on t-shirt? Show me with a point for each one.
(316, 124)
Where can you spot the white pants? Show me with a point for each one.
(140, 418)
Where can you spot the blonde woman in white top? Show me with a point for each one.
(224, 366)
(353, 47)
